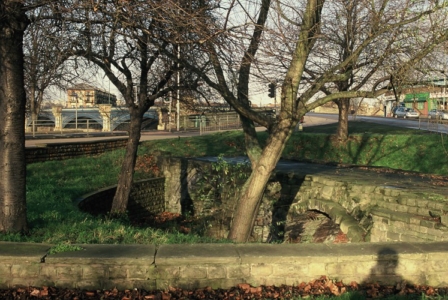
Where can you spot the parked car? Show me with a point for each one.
(406, 112)
(438, 114)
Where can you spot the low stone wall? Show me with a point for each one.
(60, 151)
(221, 265)
(147, 198)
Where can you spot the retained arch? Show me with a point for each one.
(348, 224)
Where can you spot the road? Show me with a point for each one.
(422, 124)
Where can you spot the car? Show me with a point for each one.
(406, 112)
(438, 114)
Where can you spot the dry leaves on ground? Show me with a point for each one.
(321, 287)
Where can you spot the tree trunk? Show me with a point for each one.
(252, 192)
(342, 130)
(121, 198)
(12, 118)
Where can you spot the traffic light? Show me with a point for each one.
(272, 88)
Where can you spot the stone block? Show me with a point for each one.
(444, 219)
(289, 270)
(117, 272)
(413, 237)
(411, 202)
(238, 271)
(337, 269)
(94, 272)
(317, 269)
(436, 232)
(433, 266)
(327, 192)
(25, 270)
(193, 272)
(392, 236)
(5, 270)
(148, 285)
(167, 272)
(402, 217)
(412, 210)
(422, 203)
(215, 272)
(261, 270)
(437, 280)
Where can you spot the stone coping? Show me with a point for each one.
(221, 265)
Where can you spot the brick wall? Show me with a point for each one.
(60, 151)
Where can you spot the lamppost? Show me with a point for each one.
(109, 92)
(178, 92)
(75, 96)
(444, 88)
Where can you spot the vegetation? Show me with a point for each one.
(53, 186)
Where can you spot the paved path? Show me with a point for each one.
(146, 135)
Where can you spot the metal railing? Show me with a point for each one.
(205, 122)
(200, 123)
(432, 124)
(47, 126)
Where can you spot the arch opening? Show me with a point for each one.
(313, 226)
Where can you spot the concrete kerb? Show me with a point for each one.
(220, 265)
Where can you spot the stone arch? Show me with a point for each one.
(42, 121)
(69, 118)
(348, 224)
(84, 122)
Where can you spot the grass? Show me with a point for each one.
(53, 186)
(369, 144)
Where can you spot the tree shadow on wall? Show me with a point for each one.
(282, 199)
(383, 280)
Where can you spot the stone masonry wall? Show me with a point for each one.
(147, 198)
(191, 187)
(60, 151)
(365, 212)
(384, 213)
(221, 265)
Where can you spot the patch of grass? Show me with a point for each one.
(383, 146)
(59, 248)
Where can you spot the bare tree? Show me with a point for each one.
(136, 45)
(45, 53)
(349, 24)
(302, 87)
(13, 22)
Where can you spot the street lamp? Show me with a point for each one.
(178, 92)
(444, 88)
(75, 96)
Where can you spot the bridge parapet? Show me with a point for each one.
(104, 116)
(384, 213)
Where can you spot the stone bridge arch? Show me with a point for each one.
(348, 224)
(69, 118)
(112, 118)
(120, 119)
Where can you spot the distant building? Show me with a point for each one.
(86, 95)
(423, 97)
